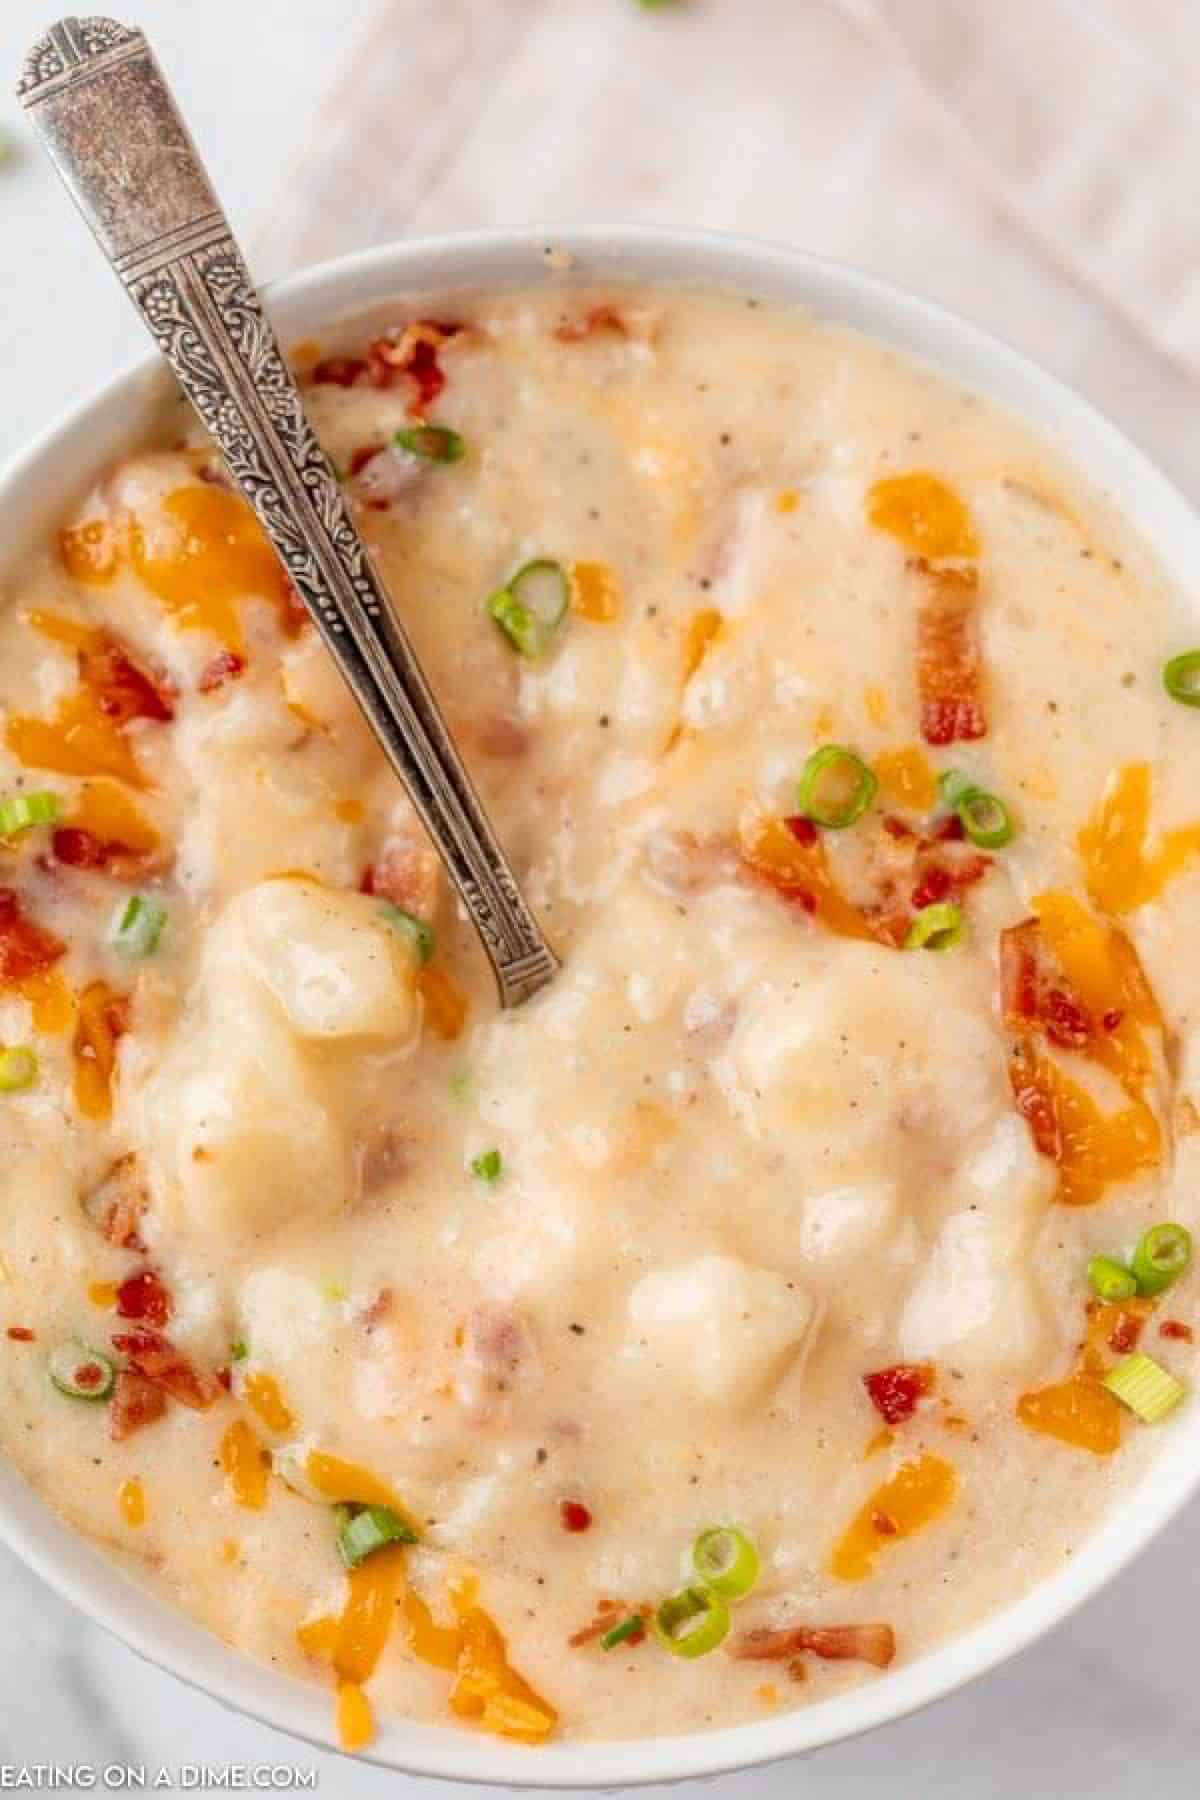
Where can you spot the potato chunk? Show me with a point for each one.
(240, 1122)
(719, 1329)
(328, 958)
(975, 1302)
(238, 1131)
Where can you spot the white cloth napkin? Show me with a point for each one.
(1033, 163)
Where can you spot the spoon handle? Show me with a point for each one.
(105, 114)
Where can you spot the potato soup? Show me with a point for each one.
(805, 1273)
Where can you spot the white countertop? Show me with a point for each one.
(1107, 1706)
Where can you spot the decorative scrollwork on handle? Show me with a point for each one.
(66, 46)
(162, 229)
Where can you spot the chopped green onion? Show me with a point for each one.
(849, 787)
(935, 927)
(532, 605)
(1145, 1387)
(1161, 1257)
(238, 1350)
(432, 443)
(420, 935)
(632, 1627)
(18, 812)
(18, 1069)
(692, 1622)
(363, 1530)
(138, 925)
(487, 1166)
(985, 819)
(1181, 678)
(1110, 1279)
(952, 785)
(81, 1373)
(726, 1561)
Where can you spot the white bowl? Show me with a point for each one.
(38, 485)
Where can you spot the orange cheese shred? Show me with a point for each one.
(245, 1465)
(904, 1504)
(1121, 873)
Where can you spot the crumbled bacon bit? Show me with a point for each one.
(339, 371)
(607, 1614)
(875, 1644)
(949, 830)
(575, 1515)
(88, 1375)
(1068, 1022)
(143, 1297)
(116, 1205)
(1175, 1328)
(1125, 1333)
(227, 665)
(159, 1361)
(883, 1524)
(604, 317)
(225, 1377)
(25, 949)
(294, 616)
(933, 886)
(20, 1334)
(414, 356)
(895, 1391)
(136, 1401)
(1031, 994)
(76, 847)
(123, 689)
(948, 667)
(1035, 1107)
(361, 457)
(802, 829)
(1112, 1020)
(895, 828)
(377, 1309)
(407, 872)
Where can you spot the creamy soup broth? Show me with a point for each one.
(566, 1286)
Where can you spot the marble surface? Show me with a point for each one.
(1109, 1703)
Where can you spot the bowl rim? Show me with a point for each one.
(489, 260)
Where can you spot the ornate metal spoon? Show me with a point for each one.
(103, 110)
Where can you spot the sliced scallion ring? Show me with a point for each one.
(836, 787)
(420, 935)
(532, 605)
(952, 785)
(726, 1561)
(1161, 1257)
(935, 927)
(18, 812)
(361, 1530)
(81, 1373)
(1110, 1279)
(432, 443)
(985, 819)
(1181, 678)
(18, 1069)
(691, 1622)
(1145, 1387)
(138, 924)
